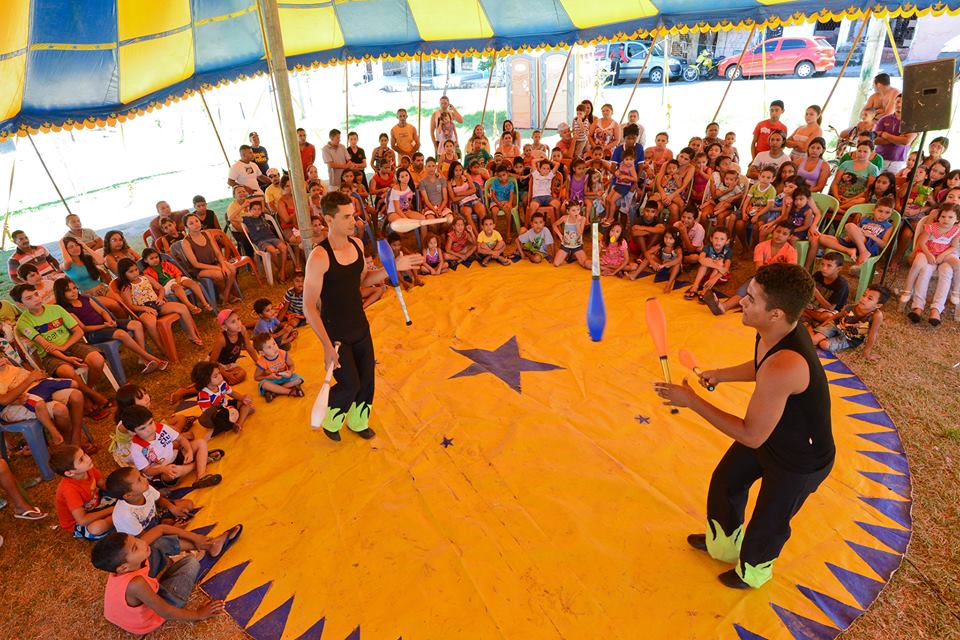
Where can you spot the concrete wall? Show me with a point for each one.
(931, 34)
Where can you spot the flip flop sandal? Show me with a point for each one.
(150, 367)
(689, 295)
(238, 529)
(31, 514)
(209, 480)
(215, 455)
(269, 396)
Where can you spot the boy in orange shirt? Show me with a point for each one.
(81, 509)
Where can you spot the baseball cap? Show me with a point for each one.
(224, 315)
(273, 171)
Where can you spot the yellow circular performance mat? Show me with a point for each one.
(526, 482)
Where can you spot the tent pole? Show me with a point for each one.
(636, 82)
(346, 96)
(893, 45)
(486, 96)
(420, 98)
(746, 45)
(6, 218)
(277, 62)
(563, 75)
(213, 124)
(856, 41)
(49, 175)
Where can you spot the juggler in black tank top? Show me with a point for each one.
(341, 305)
(802, 441)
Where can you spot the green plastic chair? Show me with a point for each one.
(516, 210)
(828, 206)
(867, 268)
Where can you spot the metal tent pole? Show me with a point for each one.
(213, 124)
(636, 82)
(420, 99)
(277, 62)
(49, 175)
(6, 218)
(486, 96)
(856, 41)
(746, 45)
(346, 97)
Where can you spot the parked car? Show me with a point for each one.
(801, 56)
(635, 52)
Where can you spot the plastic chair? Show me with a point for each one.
(32, 432)
(164, 324)
(867, 268)
(515, 212)
(148, 239)
(276, 229)
(828, 207)
(113, 372)
(266, 263)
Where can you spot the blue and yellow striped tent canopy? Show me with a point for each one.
(66, 63)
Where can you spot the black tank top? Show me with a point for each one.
(230, 352)
(802, 441)
(341, 305)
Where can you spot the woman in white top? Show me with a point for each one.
(798, 141)
(401, 203)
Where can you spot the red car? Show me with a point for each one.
(802, 57)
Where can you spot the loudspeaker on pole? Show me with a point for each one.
(927, 95)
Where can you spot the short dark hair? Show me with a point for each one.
(18, 232)
(198, 199)
(17, 292)
(200, 374)
(631, 130)
(127, 396)
(245, 147)
(119, 481)
(882, 291)
(788, 287)
(133, 417)
(886, 201)
(62, 457)
(107, 553)
(392, 237)
(833, 256)
(786, 224)
(333, 201)
(26, 269)
(260, 305)
(882, 78)
(537, 214)
(334, 132)
(777, 103)
(147, 252)
(260, 339)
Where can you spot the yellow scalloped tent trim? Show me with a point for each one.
(853, 13)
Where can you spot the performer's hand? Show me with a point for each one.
(330, 356)
(407, 262)
(710, 378)
(676, 395)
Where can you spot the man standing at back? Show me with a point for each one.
(403, 136)
(336, 158)
(445, 106)
(893, 145)
(260, 155)
(883, 96)
(765, 127)
(308, 153)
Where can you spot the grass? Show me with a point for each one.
(49, 588)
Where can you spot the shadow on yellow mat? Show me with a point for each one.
(527, 483)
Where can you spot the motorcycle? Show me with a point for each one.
(703, 69)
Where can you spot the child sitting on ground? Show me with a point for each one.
(647, 231)
(830, 291)
(614, 256)
(715, 262)
(461, 242)
(145, 587)
(410, 278)
(663, 259)
(129, 395)
(433, 261)
(372, 293)
(137, 500)
(162, 455)
(490, 244)
(214, 391)
(776, 249)
(537, 241)
(230, 344)
(269, 323)
(174, 282)
(81, 509)
(692, 235)
(854, 325)
(275, 370)
(863, 240)
(569, 228)
(292, 310)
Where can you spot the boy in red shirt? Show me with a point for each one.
(80, 507)
(765, 127)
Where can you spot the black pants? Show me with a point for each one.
(782, 493)
(351, 399)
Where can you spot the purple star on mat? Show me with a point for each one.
(447, 442)
(642, 419)
(504, 362)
